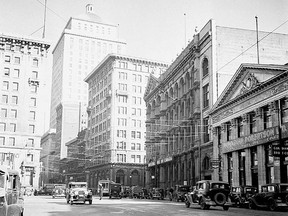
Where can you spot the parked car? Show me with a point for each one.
(272, 196)
(180, 191)
(59, 191)
(125, 191)
(157, 193)
(240, 195)
(136, 192)
(209, 193)
(145, 194)
(115, 190)
(78, 192)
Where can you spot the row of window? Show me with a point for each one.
(12, 127)
(134, 158)
(14, 86)
(14, 112)
(11, 141)
(135, 77)
(134, 146)
(19, 48)
(16, 73)
(14, 100)
(8, 59)
(134, 134)
(135, 123)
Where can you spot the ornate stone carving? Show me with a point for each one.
(249, 83)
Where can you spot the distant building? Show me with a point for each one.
(84, 42)
(24, 68)
(179, 137)
(115, 147)
(250, 126)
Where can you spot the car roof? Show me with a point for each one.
(274, 184)
(77, 182)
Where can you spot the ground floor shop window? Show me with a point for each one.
(254, 166)
(269, 164)
(242, 178)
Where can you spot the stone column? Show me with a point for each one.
(235, 172)
(248, 167)
(225, 167)
(261, 164)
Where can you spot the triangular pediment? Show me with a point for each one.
(247, 78)
(152, 83)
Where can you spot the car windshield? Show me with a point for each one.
(250, 190)
(236, 189)
(79, 186)
(2, 181)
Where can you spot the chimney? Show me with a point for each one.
(89, 8)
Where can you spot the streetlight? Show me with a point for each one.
(130, 181)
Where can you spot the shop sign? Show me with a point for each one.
(278, 150)
(261, 137)
(284, 130)
(215, 164)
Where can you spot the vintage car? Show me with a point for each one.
(240, 195)
(78, 192)
(209, 193)
(272, 196)
(59, 191)
(145, 194)
(180, 191)
(157, 193)
(115, 190)
(11, 197)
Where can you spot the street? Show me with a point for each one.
(46, 206)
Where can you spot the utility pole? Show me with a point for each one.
(257, 40)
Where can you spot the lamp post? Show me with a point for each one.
(130, 180)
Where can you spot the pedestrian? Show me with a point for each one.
(100, 191)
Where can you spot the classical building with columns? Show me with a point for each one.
(250, 125)
(179, 147)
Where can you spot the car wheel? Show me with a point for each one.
(220, 198)
(272, 205)
(225, 208)
(251, 205)
(90, 202)
(203, 204)
(71, 202)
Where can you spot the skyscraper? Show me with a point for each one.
(84, 42)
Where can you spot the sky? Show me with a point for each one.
(152, 29)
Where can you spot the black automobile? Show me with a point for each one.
(209, 193)
(59, 191)
(240, 195)
(180, 191)
(272, 196)
(115, 190)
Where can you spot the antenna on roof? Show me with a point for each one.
(43, 36)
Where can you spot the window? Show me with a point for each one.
(240, 131)
(121, 133)
(12, 127)
(121, 145)
(32, 115)
(206, 129)
(32, 101)
(5, 99)
(11, 141)
(30, 143)
(205, 67)
(5, 85)
(284, 110)
(16, 73)
(35, 62)
(6, 71)
(121, 158)
(34, 75)
(242, 178)
(17, 60)
(33, 89)
(133, 159)
(138, 135)
(133, 146)
(3, 113)
(14, 100)
(32, 129)
(133, 134)
(2, 126)
(13, 113)
(8, 47)
(2, 140)
(138, 159)
(267, 119)
(7, 58)
(252, 123)
(229, 130)
(133, 111)
(206, 96)
(138, 146)
(29, 158)
(15, 86)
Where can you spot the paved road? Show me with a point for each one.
(46, 206)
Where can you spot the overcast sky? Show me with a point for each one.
(153, 29)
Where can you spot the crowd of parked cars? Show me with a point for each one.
(205, 193)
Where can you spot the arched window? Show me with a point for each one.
(205, 67)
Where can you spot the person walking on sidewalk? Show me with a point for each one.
(100, 191)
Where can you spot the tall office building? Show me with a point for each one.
(24, 70)
(115, 147)
(85, 41)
